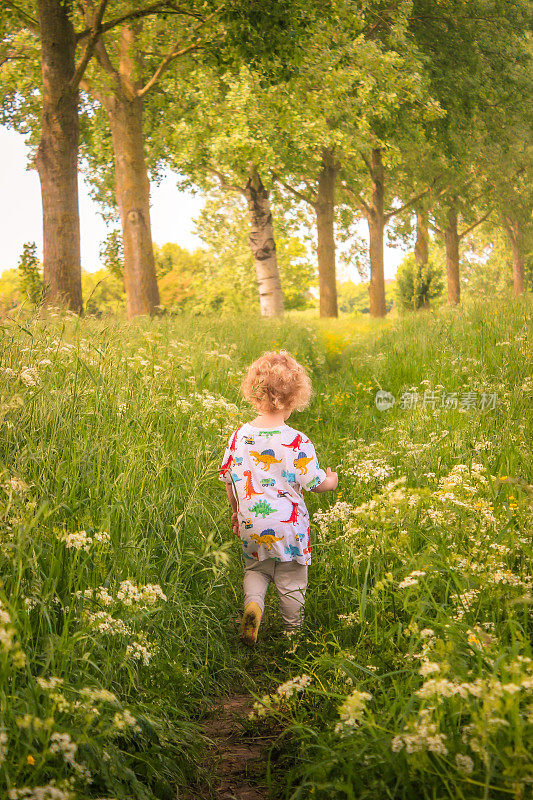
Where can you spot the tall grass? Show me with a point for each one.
(121, 579)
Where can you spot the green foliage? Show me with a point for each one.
(165, 258)
(221, 275)
(417, 285)
(181, 286)
(10, 291)
(103, 292)
(297, 274)
(31, 279)
(353, 297)
(486, 266)
(112, 253)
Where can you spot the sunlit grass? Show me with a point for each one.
(118, 428)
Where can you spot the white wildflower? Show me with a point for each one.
(428, 668)
(352, 710)
(464, 763)
(79, 540)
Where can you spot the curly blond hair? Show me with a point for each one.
(276, 382)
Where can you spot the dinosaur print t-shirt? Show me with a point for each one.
(268, 468)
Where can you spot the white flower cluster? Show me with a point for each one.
(62, 744)
(52, 791)
(482, 687)
(510, 578)
(468, 479)
(134, 596)
(464, 602)
(103, 622)
(352, 710)
(297, 684)
(16, 485)
(217, 354)
(352, 618)
(215, 404)
(123, 720)
(130, 593)
(411, 579)
(428, 668)
(139, 652)
(464, 763)
(49, 683)
(98, 695)
(338, 512)
(8, 642)
(368, 471)
(29, 376)
(101, 594)
(421, 734)
(3, 746)
(80, 540)
(270, 703)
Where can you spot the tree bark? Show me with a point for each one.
(376, 227)
(514, 234)
(133, 198)
(422, 239)
(451, 240)
(57, 158)
(325, 216)
(421, 250)
(263, 246)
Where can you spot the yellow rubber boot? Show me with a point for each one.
(251, 619)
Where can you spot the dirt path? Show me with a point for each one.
(239, 761)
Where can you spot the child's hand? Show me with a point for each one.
(333, 478)
(235, 523)
(330, 482)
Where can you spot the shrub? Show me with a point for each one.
(417, 284)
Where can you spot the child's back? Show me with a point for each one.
(268, 468)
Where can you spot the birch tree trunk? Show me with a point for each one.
(514, 234)
(263, 246)
(325, 217)
(376, 227)
(451, 240)
(57, 158)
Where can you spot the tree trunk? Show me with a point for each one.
(263, 246)
(325, 216)
(514, 235)
(421, 251)
(57, 158)
(451, 240)
(422, 239)
(376, 227)
(133, 198)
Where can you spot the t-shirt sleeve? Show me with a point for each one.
(224, 473)
(306, 467)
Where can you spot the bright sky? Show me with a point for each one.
(172, 213)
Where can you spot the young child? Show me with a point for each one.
(265, 467)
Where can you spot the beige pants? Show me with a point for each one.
(290, 579)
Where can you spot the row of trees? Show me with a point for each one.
(336, 111)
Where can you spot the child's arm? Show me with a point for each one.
(233, 504)
(329, 484)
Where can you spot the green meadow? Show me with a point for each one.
(121, 579)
